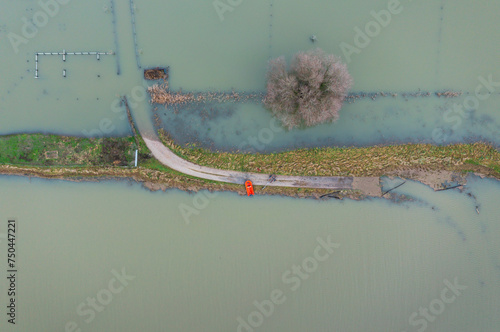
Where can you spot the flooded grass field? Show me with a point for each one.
(452, 51)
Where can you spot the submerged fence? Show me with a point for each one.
(64, 54)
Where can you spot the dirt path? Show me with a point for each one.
(168, 158)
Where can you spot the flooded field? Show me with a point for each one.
(213, 50)
(388, 259)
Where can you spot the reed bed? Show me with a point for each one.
(160, 94)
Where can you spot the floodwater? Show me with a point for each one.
(425, 47)
(389, 259)
(204, 272)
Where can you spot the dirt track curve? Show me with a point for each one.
(168, 158)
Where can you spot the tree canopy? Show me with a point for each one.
(310, 92)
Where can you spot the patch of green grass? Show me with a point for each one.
(31, 149)
(472, 162)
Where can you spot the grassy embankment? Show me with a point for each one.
(64, 152)
(74, 158)
(369, 161)
(52, 156)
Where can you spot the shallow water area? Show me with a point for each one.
(405, 58)
(248, 127)
(210, 52)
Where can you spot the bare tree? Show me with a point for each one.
(311, 92)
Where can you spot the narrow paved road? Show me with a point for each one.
(170, 159)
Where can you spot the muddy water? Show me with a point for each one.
(389, 259)
(450, 51)
(388, 120)
(423, 48)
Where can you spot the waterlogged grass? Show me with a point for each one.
(53, 150)
(368, 161)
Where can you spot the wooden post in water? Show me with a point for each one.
(36, 65)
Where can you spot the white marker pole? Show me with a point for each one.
(136, 152)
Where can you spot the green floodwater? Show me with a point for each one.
(436, 46)
(392, 260)
(394, 257)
